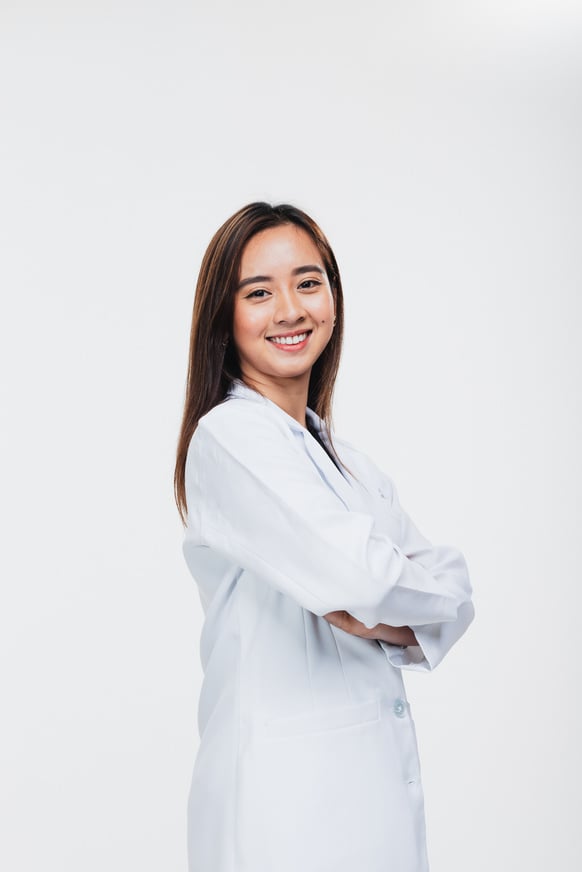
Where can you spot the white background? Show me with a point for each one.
(438, 144)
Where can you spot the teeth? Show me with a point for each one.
(288, 340)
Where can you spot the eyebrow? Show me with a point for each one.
(298, 271)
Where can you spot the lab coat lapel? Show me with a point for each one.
(336, 480)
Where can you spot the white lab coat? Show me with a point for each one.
(308, 759)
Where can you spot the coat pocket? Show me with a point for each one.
(325, 791)
(320, 720)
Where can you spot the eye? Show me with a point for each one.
(259, 293)
(309, 284)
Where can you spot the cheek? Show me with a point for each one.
(325, 313)
(246, 325)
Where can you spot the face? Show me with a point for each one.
(283, 309)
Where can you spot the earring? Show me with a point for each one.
(224, 342)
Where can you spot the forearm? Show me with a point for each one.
(394, 635)
(383, 632)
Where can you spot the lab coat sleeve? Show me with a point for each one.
(256, 497)
(434, 639)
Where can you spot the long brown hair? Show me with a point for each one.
(212, 364)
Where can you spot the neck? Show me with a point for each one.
(290, 394)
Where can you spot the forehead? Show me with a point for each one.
(279, 249)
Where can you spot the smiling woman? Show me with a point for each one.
(317, 588)
(283, 314)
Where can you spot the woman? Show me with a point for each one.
(317, 587)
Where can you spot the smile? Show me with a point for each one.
(297, 339)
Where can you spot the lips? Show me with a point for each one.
(290, 338)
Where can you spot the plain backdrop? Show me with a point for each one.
(438, 144)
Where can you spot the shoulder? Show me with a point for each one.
(236, 417)
(365, 469)
(244, 432)
(348, 453)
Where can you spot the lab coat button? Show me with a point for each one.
(399, 708)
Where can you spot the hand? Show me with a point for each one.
(393, 635)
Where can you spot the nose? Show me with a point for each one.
(290, 308)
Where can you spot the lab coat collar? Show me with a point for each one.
(239, 389)
(336, 478)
